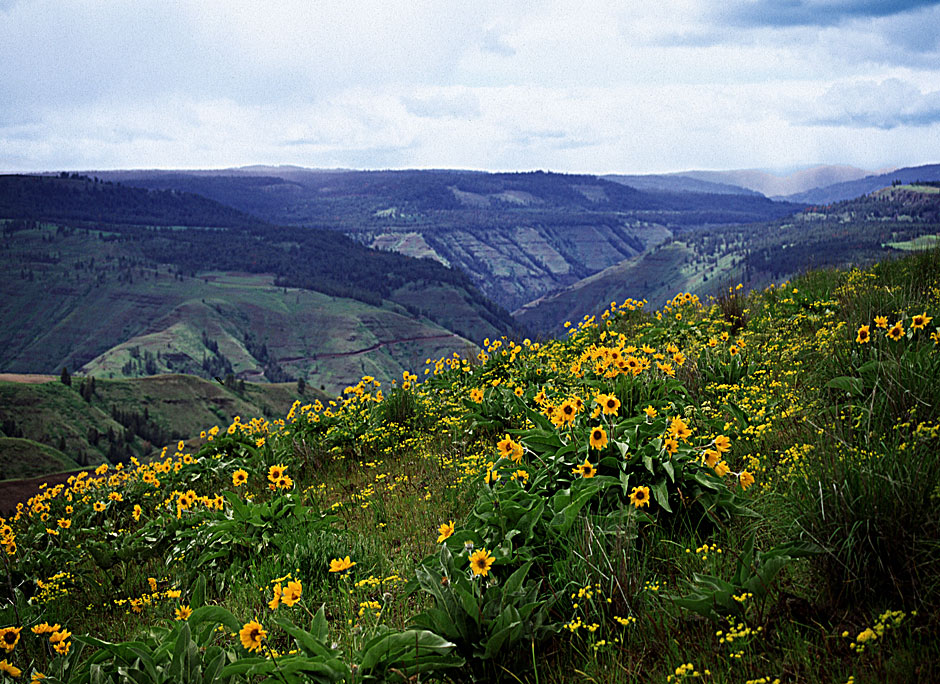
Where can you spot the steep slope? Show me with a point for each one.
(708, 261)
(655, 276)
(22, 458)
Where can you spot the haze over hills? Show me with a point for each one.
(677, 182)
(854, 188)
(781, 185)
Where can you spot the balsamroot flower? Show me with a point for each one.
(598, 438)
(251, 635)
(481, 561)
(341, 564)
(9, 637)
(746, 479)
(640, 496)
(291, 593)
(446, 530)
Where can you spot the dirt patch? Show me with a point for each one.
(13, 492)
(28, 378)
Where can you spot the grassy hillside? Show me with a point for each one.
(24, 458)
(735, 491)
(116, 323)
(707, 261)
(51, 427)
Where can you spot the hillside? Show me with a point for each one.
(135, 284)
(708, 261)
(516, 235)
(49, 427)
(24, 458)
(744, 491)
(677, 182)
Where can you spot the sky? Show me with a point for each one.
(575, 86)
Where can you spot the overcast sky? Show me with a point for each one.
(574, 85)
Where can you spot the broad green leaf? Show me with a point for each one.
(661, 494)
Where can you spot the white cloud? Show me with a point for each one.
(866, 104)
(590, 87)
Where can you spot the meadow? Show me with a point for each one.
(738, 490)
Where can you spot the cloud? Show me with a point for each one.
(867, 104)
(435, 83)
(814, 12)
(443, 103)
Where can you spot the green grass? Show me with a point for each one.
(918, 243)
(24, 458)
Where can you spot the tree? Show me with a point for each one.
(65, 378)
(301, 385)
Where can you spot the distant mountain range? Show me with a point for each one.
(816, 185)
(518, 236)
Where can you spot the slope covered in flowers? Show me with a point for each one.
(742, 490)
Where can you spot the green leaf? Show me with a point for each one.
(182, 642)
(670, 470)
(197, 596)
(565, 518)
(305, 640)
(851, 385)
(469, 604)
(215, 615)
(538, 419)
(319, 629)
(737, 413)
(622, 447)
(515, 580)
(402, 648)
(661, 494)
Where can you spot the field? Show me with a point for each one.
(735, 490)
